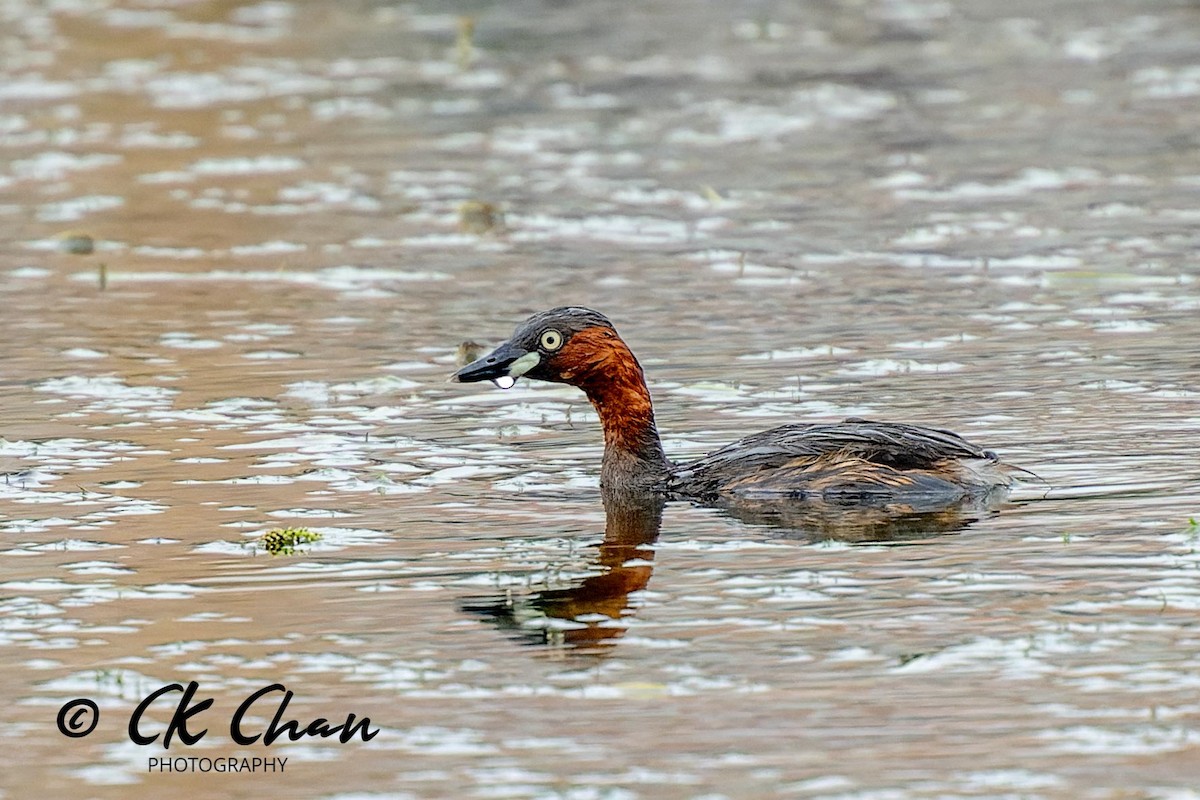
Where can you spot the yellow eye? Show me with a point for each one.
(551, 340)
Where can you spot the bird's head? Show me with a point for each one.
(562, 345)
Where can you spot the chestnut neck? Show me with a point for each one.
(616, 386)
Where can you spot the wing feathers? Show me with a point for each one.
(851, 457)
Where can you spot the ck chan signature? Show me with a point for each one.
(78, 718)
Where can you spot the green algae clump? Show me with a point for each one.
(283, 541)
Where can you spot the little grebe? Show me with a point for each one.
(852, 461)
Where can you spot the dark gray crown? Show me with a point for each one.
(565, 319)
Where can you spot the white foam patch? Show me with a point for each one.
(890, 366)
(55, 166)
(797, 353)
(77, 208)
(107, 388)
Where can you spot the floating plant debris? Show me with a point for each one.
(75, 243)
(478, 217)
(284, 541)
(467, 352)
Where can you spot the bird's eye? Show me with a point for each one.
(551, 340)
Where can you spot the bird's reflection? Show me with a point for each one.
(588, 615)
(862, 522)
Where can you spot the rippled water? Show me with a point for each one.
(978, 215)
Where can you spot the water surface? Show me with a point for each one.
(978, 215)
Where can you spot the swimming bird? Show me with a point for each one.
(856, 461)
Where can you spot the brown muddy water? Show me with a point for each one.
(981, 215)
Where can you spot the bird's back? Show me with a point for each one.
(854, 459)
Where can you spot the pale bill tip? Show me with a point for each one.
(523, 364)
